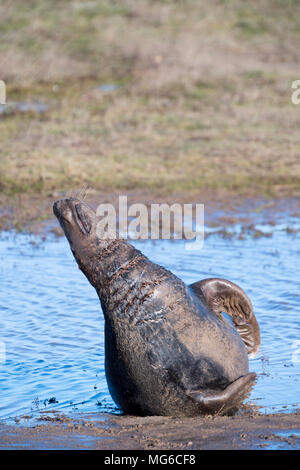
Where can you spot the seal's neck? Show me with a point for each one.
(104, 262)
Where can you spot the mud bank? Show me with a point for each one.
(33, 213)
(100, 431)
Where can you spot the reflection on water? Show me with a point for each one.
(52, 326)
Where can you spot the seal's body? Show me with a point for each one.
(166, 351)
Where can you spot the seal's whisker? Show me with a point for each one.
(80, 193)
(85, 192)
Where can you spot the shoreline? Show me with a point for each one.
(33, 213)
(248, 430)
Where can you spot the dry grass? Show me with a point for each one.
(204, 97)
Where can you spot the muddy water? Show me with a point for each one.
(51, 325)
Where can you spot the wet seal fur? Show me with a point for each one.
(168, 348)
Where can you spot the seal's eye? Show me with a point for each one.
(83, 222)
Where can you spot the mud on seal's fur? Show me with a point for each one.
(168, 349)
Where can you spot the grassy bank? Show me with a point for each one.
(201, 97)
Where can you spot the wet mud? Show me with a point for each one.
(249, 430)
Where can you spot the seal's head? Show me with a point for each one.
(78, 221)
(95, 249)
(75, 217)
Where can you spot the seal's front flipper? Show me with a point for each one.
(226, 401)
(220, 296)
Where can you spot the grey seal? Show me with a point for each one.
(168, 348)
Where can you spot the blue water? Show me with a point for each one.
(291, 441)
(51, 341)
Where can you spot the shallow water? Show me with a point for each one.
(22, 107)
(51, 342)
(108, 87)
(283, 440)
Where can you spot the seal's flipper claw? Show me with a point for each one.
(225, 401)
(221, 295)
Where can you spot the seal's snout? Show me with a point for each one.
(62, 209)
(76, 213)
